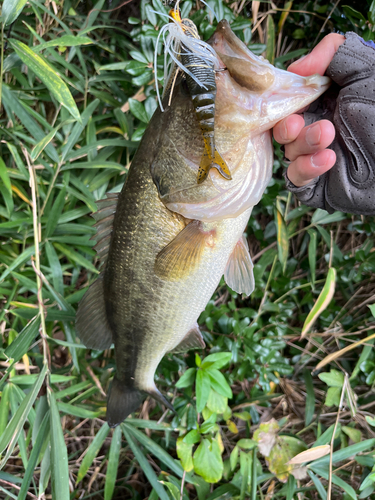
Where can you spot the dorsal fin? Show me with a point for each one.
(104, 223)
(239, 271)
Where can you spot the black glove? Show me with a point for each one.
(350, 104)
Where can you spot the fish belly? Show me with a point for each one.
(148, 315)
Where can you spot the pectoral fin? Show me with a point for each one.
(182, 255)
(91, 323)
(192, 340)
(239, 271)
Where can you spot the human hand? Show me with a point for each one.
(306, 147)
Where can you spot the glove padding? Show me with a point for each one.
(350, 104)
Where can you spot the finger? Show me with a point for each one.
(288, 129)
(312, 139)
(319, 58)
(306, 168)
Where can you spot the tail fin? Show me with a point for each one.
(122, 401)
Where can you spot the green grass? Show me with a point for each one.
(76, 96)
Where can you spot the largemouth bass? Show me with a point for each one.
(167, 240)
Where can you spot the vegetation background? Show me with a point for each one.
(77, 91)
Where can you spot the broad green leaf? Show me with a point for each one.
(285, 448)
(11, 9)
(234, 458)
(219, 383)
(322, 302)
(114, 454)
(33, 459)
(59, 454)
(21, 259)
(326, 437)
(138, 110)
(246, 444)
(354, 434)
(185, 453)
(334, 378)
(92, 451)
(146, 467)
(48, 75)
(322, 217)
(282, 236)
(187, 378)
(22, 342)
(333, 396)
(208, 462)
(217, 360)
(202, 389)
(10, 436)
(216, 402)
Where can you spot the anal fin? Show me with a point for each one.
(158, 396)
(192, 340)
(239, 270)
(91, 322)
(182, 255)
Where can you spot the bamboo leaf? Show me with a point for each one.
(64, 41)
(76, 257)
(270, 51)
(6, 187)
(318, 485)
(48, 75)
(310, 397)
(312, 254)
(33, 459)
(146, 467)
(114, 454)
(92, 451)
(59, 454)
(21, 343)
(11, 10)
(322, 303)
(10, 436)
(282, 237)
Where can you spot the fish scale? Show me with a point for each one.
(172, 239)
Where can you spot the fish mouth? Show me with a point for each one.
(244, 67)
(254, 73)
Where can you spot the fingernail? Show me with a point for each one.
(284, 132)
(319, 159)
(313, 135)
